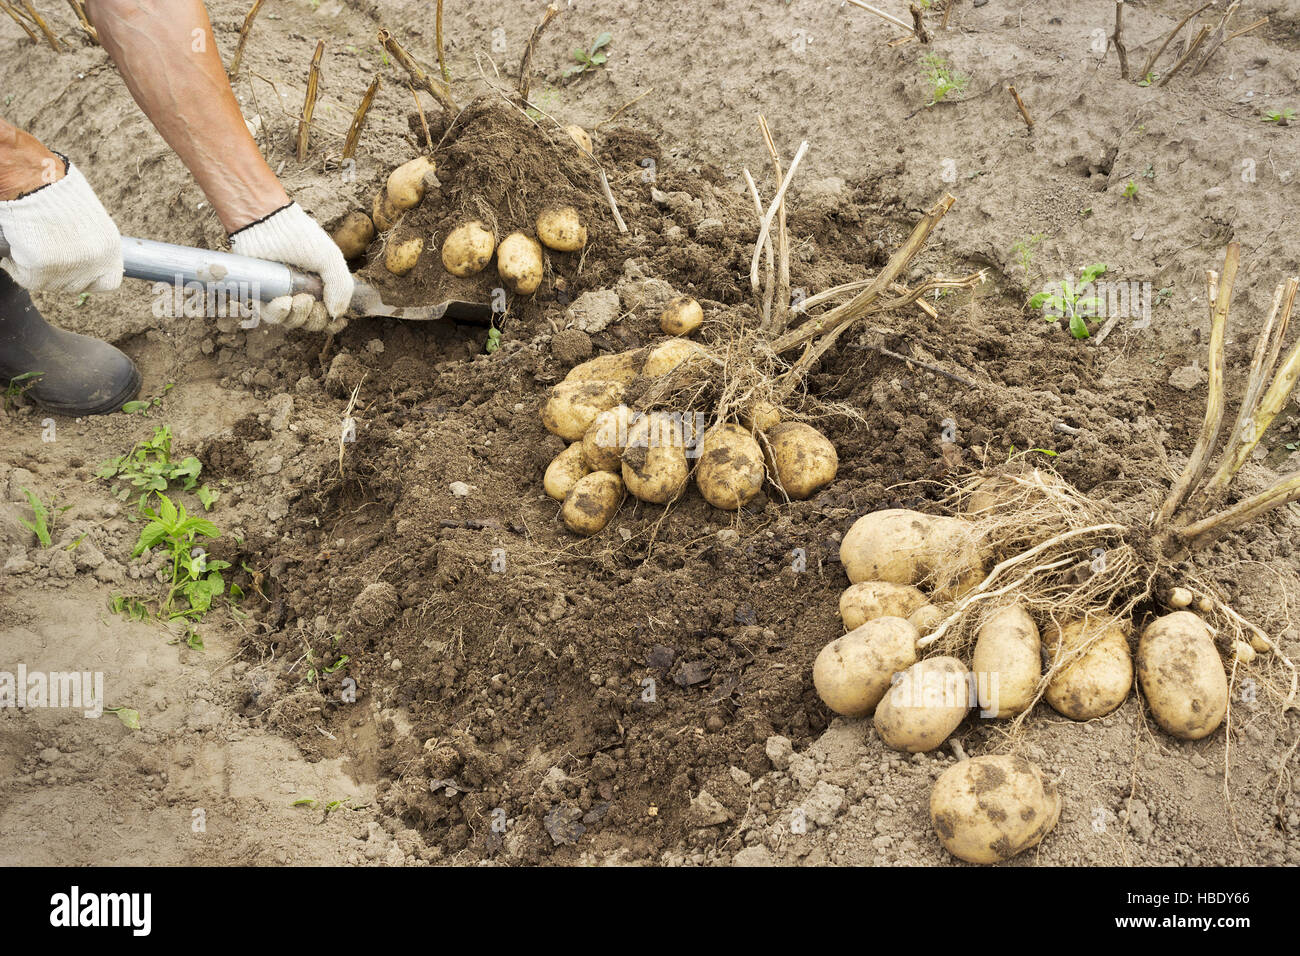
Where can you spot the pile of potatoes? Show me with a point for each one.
(990, 808)
(616, 450)
(469, 247)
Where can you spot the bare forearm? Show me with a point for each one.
(25, 165)
(168, 58)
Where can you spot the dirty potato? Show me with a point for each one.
(592, 502)
(908, 547)
(665, 357)
(681, 316)
(987, 809)
(401, 254)
(1096, 683)
(353, 235)
(654, 462)
(926, 617)
(730, 469)
(760, 416)
(620, 367)
(564, 471)
(1006, 662)
(852, 673)
(519, 263)
(383, 213)
(925, 705)
(1182, 675)
(604, 442)
(405, 184)
(561, 228)
(802, 459)
(868, 600)
(579, 136)
(573, 406)
(468, 248)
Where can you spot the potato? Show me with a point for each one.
(869, 600)
(406, 183)
(604, 441)
(925, 705)
(1242, 652)
(621, 367)
(353, 235)
(519, 263)
(564, 471)
(1182, 675)
(561, 228)
(926, 617)
(1006, 663)
(761, 416)
(1097, 682)
(468, 248)
(579, 136)
(401, 255)
(852, 673)
(654, 462)
(802, 459)
(383, 213)
(670, 354)
(987, 809)
(730, 469)
(681, 316)
(908, 547)
(573, 406)
(592, 502)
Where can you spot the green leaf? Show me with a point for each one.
(1091, 273)
(207, 497)
(129, 718)
(1079, 328)
(603, 40)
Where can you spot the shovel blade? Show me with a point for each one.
(366, 301)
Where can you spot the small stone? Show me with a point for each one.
(594, 311)
(459, 489)
(779, 750)
(706, 811)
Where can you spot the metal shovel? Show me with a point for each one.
(240, 277)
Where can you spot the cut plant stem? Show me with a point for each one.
(244, 31)
(1201, 34)
(1214, 403)
(20, 21)
(1217, 39)
(80, 13)
(309, 104)
(526, 63)
(779, 312)
(1020, 104)
(1253, 420)
(424, 120)
(1151, 60)
(1117, 40)
(918, 23)
(764, 298)
(613, 206)
(442, 64)
(41, 25)
(884, 16)
(359, 118)
(772, 211)
(421, 79)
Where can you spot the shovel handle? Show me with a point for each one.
(237, 276)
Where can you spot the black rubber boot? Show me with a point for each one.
(78, 375)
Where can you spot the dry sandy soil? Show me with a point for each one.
(499, 664)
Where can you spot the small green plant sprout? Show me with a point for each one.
(131, 608)
(149, 467)
(17, 385)
(1069, 301)
(42, 523)
(194, 577)
(1150, 171)
(145, 406)
(1024, 252)
(1148, 79)
(1282, 117)
(130, 718)
(942, 79)
(1131, 190)
(589, 59)
(493, 341)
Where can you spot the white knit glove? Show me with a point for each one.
(61, 238)
(291, 236)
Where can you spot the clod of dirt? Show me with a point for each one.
(594, 311)
(571, 346)
(376, 604)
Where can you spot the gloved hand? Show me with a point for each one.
(61, 239)
(291, 236)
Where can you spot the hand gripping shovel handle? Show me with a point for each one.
(239, 277)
